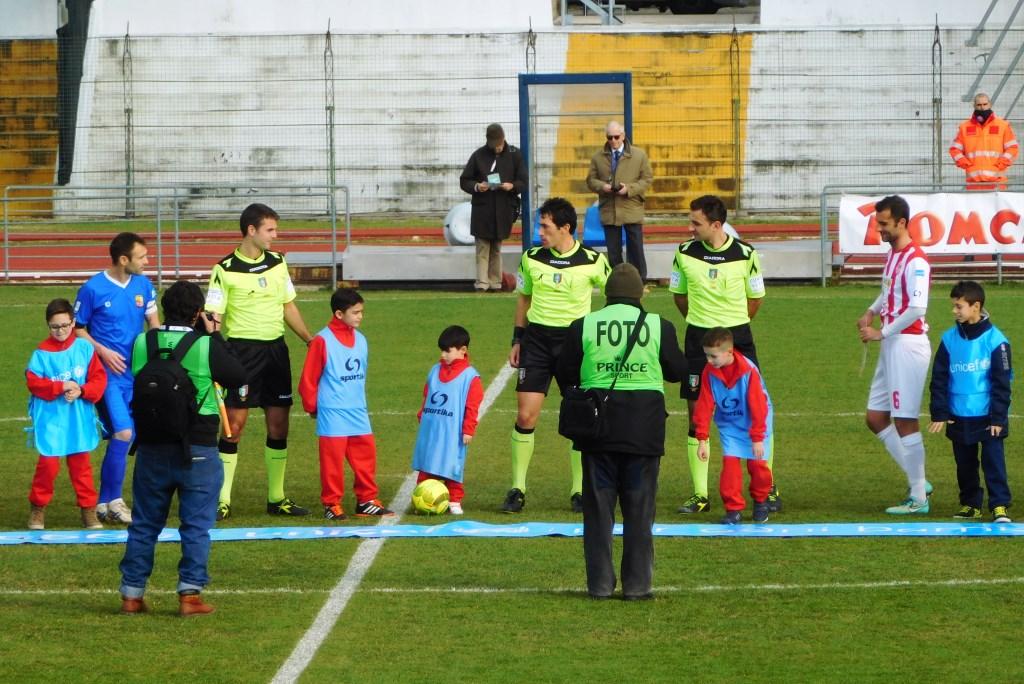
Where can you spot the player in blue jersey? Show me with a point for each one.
(110, 311)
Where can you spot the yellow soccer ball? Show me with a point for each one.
(430, 497)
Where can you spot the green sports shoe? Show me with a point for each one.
(774, 500)
(999, 515)
(286, 507)
(909, 507)
(223, 511)
(967, 513)
(695, 504)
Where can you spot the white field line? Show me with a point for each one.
(363, 558)
(953, 583)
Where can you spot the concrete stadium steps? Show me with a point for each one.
(28, 119)
(681, 83)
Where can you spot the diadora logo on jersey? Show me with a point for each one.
(560, 262)
(257, 268)
(713, 257)
(139, 301)
(438, 398)
(973, 366)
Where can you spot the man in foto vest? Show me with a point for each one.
(163, 469)
(984, 147)
(622, 466)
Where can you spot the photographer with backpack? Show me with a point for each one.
(175, 405)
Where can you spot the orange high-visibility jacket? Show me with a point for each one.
(989, 150)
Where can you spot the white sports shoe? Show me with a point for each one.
(908, 507)
(118, 512)
(101, 512)
(455, 508)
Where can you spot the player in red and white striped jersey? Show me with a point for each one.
(894, 401)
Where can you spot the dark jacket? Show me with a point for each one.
(494, 211)
(970, 430)
(636, 418)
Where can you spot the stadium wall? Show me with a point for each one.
(817, 107)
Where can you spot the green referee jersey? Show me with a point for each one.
(250, 295)
(560, 285)
(717, 282)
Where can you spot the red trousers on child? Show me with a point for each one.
(730, 486)
(80, 471)
(361, 453)
(455, 489)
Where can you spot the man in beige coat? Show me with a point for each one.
(621, 174)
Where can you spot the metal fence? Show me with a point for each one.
(69, 247)
(766, 117)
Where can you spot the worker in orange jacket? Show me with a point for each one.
(984, 147)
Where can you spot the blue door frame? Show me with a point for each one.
(527, 80)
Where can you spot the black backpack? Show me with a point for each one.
(164, 405)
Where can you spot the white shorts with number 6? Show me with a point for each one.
(900, 375)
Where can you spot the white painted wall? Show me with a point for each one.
(246, 17)
(835, 13)
(28, 18)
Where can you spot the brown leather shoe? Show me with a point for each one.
(89, 519)
(193, 604)
(133, 606)
(37, 518)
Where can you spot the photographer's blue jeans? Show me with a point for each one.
(160, 471)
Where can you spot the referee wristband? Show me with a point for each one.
(517, 334)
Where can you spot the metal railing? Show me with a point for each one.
(172, 201)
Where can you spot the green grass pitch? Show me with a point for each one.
(496, 610)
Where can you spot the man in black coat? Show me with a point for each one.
(495, 175)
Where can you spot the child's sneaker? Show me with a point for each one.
(119, 513)
(695, 504)
(455, 508)
(732, 518)
(89, 519)
(999, 515)
(967, 513)
(334, 512)
(368, 509)
(37, 518)
(761, 511)
(908, 507)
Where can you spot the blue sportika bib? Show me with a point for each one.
(61, 428)
(439, 449)
(341, 395)
(732, 415)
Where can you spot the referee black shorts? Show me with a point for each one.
(742, 339)
(268, 372)
(538, 356)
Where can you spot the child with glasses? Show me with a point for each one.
(65, 379)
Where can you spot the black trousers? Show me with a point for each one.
(634, 246)
(632, 481)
